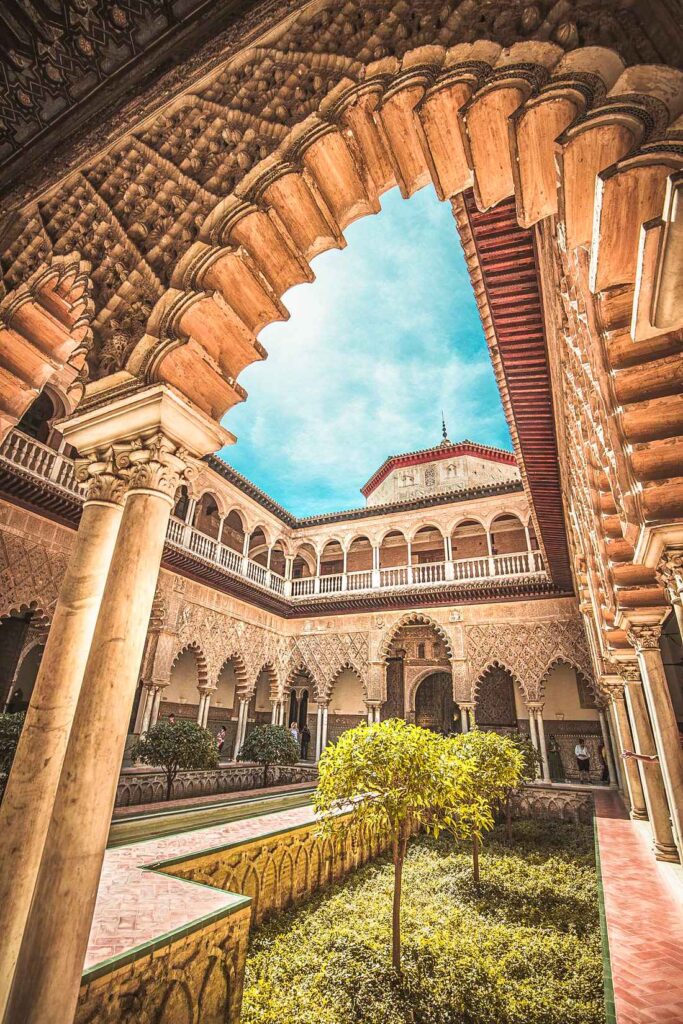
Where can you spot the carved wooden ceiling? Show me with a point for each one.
(62, 60)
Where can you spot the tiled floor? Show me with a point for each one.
(644, 921)
(135, 906)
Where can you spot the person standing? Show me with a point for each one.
(555, 760)
(294, 732)
(305, 740)
(582, 760)
(220, 739)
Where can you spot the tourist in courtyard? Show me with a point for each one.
(605, 768)
(171, 719)
(583, 762)
(555, 760)
(305, 740)
(220, 738)
(294, 732)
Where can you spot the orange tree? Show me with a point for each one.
(494, 767)
(394, 778)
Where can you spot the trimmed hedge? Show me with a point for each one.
(523, 947)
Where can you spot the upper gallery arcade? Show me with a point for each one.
(140, 259)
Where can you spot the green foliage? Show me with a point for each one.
(10, 731)
(182, 746)
(496, 766)
(269, 744)
(392, 777)
(523, 947)
(531, 758)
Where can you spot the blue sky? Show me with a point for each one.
(386, 337)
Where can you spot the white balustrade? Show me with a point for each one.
(331, 584)
(429, 572)
(50, 465)
(361, 580)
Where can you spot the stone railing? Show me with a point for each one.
(148, 786)
(45, 463)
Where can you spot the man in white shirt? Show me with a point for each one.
(582, 760)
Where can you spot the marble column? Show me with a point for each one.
(205, 708)
(29, 799)
(626, 742)
(318, 732)
(645, 640)
(140, 433)
(273, 713)
(46, 987)
(654, 790)
(200, 708)
(545, 767)
(323, 731)
(463, 719)
(241, 726)
(150, 698)
(156, 705)
(608, 747)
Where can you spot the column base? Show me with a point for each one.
(666, 853)
(639, 815)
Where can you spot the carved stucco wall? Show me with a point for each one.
(34, 554)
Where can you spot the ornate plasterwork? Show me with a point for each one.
(527, 651)
(31, 574)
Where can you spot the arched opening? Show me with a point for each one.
(393, 559)
(37, 420)
(469, 544)
(331, 559)
(496, 707)
(507, 535)
(232, 534)
(265, 685)
(258, 547)
(570, 714)
(435, 708)
(428, 546)
(182, 503)
(181, 697)
(415, 647)
(304, 568)
(16, 633)
(358, 558)
(300, 700)
(347, 707)
(206, 517)
(278, 563)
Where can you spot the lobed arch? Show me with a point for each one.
(317, 687)
(412, 619)
(501, 663)
(572, 663)
(34, 611)
(273, 680)
(243, 686)
(347, 666)
(203, 679)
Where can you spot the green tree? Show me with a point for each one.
(182, 746)
(269, 744)
(392, 777)
(10, 731)
(495, 766)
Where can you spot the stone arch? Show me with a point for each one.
(572, 663)
(417, 681)
(501, 664)
(200, 658)
(411, 619)
(495, 698)
(274, 685)
(243, 685)
(346, 667)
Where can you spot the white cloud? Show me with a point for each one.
(386, 338)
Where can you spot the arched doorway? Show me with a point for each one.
(435, 708)
(496, 707)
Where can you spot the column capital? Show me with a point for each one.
(630, 673)
(535, 705)
(644, 637)
(613, 687)
(102, 478)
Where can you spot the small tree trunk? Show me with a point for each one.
(508, 818)
(399, 857)
(265, 775)
(475, 858)
(169, 784)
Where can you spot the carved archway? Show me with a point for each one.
(413, 619)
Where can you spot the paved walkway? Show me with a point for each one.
(136, 906)
(644, 920)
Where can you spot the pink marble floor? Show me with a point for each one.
(135, 906)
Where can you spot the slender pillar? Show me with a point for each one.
(410, 562)
(207, 705)
(645, 640)
(626, 742)
(156, 705)
(464, 723)
(651, 773)
(608, 747)
(29, 799)
(319, 733)
(273, 713)
(46, 987)
(150, 697)
(241, 727)
(541, 743)
(323, 732)
(532, 729)
(371, 714)
(200, 709)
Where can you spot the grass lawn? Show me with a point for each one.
(521, 948)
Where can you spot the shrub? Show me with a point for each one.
(175, 747)
(269, 744)
(470, 956)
